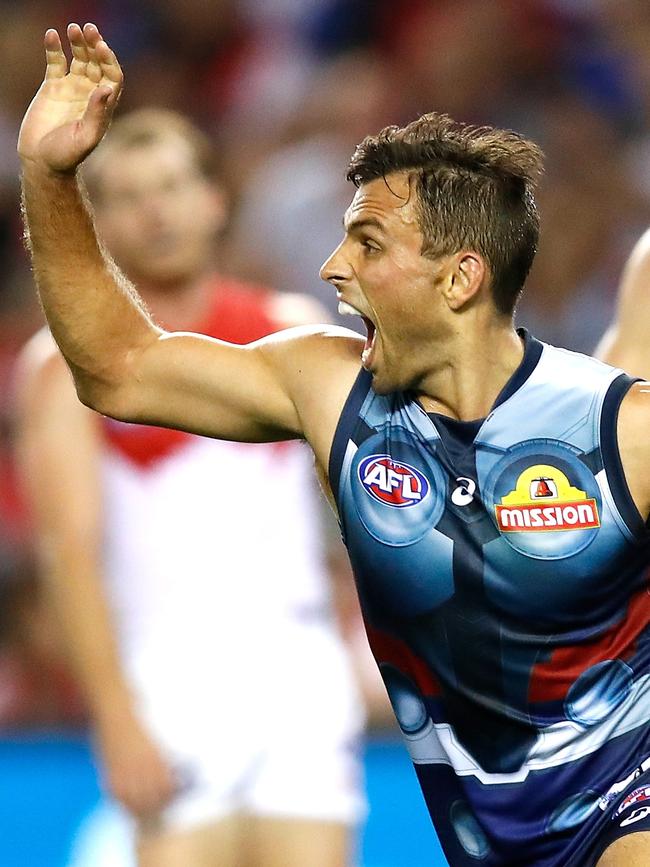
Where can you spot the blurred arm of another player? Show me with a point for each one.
(58, 445)
(626, 343)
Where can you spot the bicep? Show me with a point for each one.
(206, 386)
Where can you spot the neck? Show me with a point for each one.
(178, 305)
(472, 370)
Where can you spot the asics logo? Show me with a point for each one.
(463, 495)
(636, 816)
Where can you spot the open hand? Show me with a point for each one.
(72, 108)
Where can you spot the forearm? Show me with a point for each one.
(626, 343)
(75, 589)
(135, 772)
(94, 313)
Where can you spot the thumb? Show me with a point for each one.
(95, 119)
(97, 114)
(98, 103)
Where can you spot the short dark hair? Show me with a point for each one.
(475, 188)
(147, 126)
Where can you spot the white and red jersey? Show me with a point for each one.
(211, 548)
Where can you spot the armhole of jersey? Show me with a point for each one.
(345, 427)
(611, 454)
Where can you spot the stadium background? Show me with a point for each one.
(286, 88)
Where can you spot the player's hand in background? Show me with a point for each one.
(136, 773)
(73, 107)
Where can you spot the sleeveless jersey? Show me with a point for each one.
(212, 549)
(502, 569)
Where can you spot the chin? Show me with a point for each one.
(383, 384)
(164, 273)
(387, 380)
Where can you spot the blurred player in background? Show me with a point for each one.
(626, 343)
(187, 572)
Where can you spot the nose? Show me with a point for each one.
(335, 270)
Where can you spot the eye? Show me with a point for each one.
(171, 185)
(370, 246)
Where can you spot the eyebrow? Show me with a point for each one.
(362, 223)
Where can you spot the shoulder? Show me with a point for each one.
(575, 373)
(310, 356)
(633, 429)
(41, 378)
(39, 361)
(319, 365)
(311, 344)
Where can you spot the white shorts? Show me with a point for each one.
(276, 732)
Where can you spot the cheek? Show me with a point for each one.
(196, 217)
(120, 232)
(409, 317)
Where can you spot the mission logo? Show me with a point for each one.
(545, 500)
(392, 482)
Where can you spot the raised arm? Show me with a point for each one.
(626, 343)
(123, 365)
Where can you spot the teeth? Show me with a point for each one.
(346, 309)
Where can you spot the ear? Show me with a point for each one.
(466, 274)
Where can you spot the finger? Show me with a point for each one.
(83, 62)
(79, 50)
(108, 62)
(103, 54)
(57, 63)
(92, 36)
(100, 54)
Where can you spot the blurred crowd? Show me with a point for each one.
(286, 88)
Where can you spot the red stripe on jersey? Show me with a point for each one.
(551, 680)
(387, 648)
(240, 313)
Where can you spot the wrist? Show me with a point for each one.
(40, 170)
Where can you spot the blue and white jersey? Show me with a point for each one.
(502, 568)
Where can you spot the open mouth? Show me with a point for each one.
(346, 309)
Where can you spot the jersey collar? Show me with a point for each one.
(532, 353)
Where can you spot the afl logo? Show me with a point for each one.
(392, 482)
